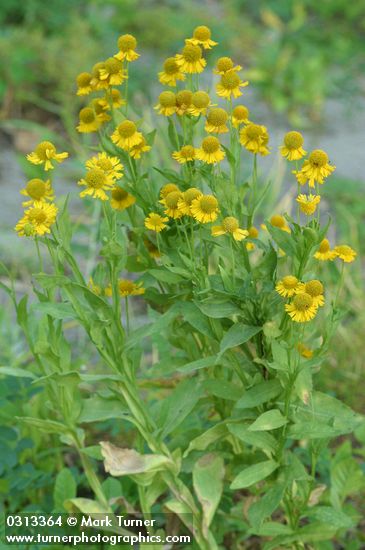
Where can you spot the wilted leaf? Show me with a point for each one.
(120, 462)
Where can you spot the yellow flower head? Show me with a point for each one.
(217, 121)
(127, 45)
(126, 135)
(302, 308)
(252, 234)
(121, 199)
(171, 202)
(96, 183)
(171, 72)
(96, 82)
(191, 60)
(308, 203)
(37, 220)
(200, 102)
(230, 84)
(112, 99)
(155, 222)
(293, 146)
(38, 191)
(210, 151)
(185, 154)
(100, 109)
(279, 221)
(83, 82)
(137, 150)
(324, 251)
(111, 166)
(183, 101)
(126, 288)
(304, 351)
(202, 37)
(45, 153)
(255, 138)
(288, 286)
(166, 103)
(166, 189)
(315, 169)
(205, 208)
(225, 64)
(230, 226)
(315, 289)
(88, 121)
(112, 72)
(240, 116)
(345, 253)
(186, 199)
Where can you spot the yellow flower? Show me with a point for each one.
(183, 101)
(190, 60)
(345, 253)
(168, 188)
(96, 183)
(96, 82)
(216, 121)
(315, 289)
(304, 351)
(112, 72)
(278, 221)
(302, 308)
(96, 289)
(126, 288)
(308, 203)
(210, 151)
(324, 252)
(171, 72)
(225, 64)
(37, 220)
(121, 199)
(88, 121)
(127, 45)
(112, 99)
(187, 197)
(230, 225)
(240, 116)
(205, 208)
(292, 148)
(166, 104)
(202, 37)
(38, 191)
(100, 110)
(155, 222)
(137, 150)
(288, 286)
(230, 84)
(111, 166)
(252, 234)
(315, 169)
(171, 205)
(45, 153)
(83, 82)
(200, 102)
(185, 154)
(254, 138)
(126, 135)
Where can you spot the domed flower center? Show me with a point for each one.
(314, 288)
(191, 194)
(43, 147)
(96, 69)
(324, 246)
(230, 80)
(202, 33)
(127, 128)
(36, 188)
(318, 158)
(187, 151)
(230, 224)
(184, 97)
(217, 117)
(303, 301)
(119, 194)
(293, 140)
(105, 164)
(87, 115)
(191, 53)
(170, 66)
(290, 282)
(277, 221)
(253, 233)
(95, 178)
(200, 100)
(344, 250)
(37, 216)
(113, 66)
(253, 131)
(126, 287)
(168, 188)
(240, 112)
(224, 64)
(127, 42)
(172, 199)
(208, 204)
(210, 144)
(167, 99)
(83, 80)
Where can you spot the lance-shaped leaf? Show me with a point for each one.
(269, 420)
(208, 473)
(253, 474)
(121, 462)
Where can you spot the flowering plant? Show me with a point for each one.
(213, 397)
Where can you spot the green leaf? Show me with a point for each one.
(223, 389)
(165, 276)
(253, 474)
(97, 409)
(266, 505)
(238, 334)
(335, 518)
(208, 474)
(198, 364)
(218, 310)
(214, 434)
(179, 404)
(48, 426)
(64, 489)
(56, 310)
(283, 239)
(312, 430)
(269, 420)
(259, 394)
(261, 440)
(14, 371)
